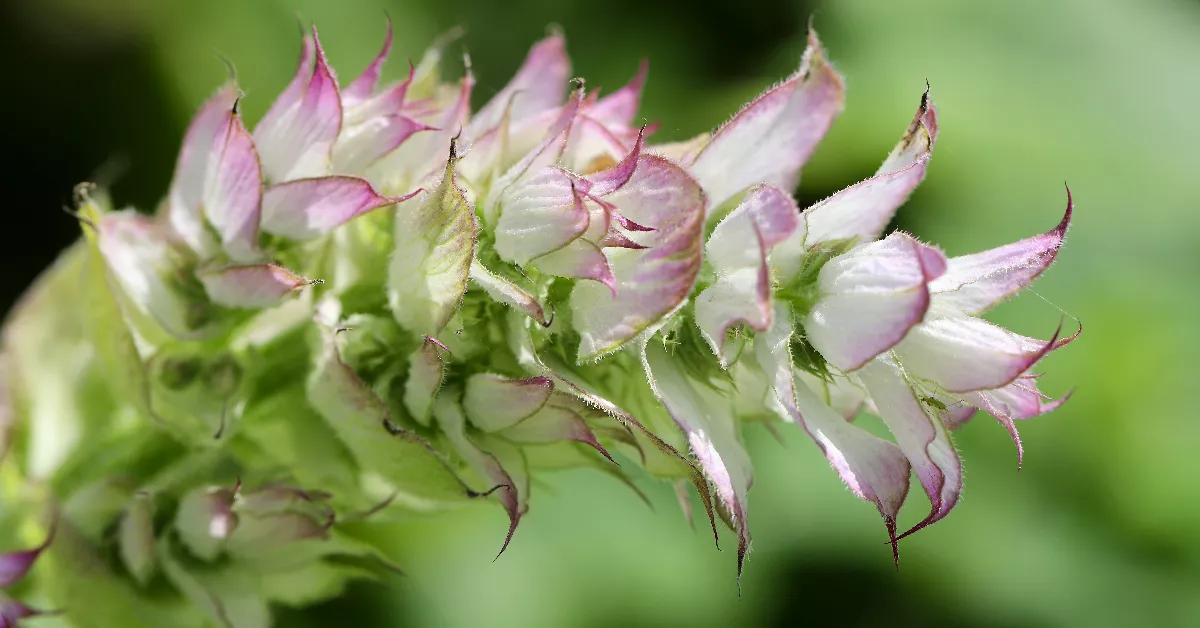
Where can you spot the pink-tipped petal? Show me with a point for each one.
(771, 138)
(494, 403)
(737, 250)
(540, 84)
(309, 208)
(504, 291)
(611, 179)
(919, 434)
(358, 147)
(870, 298)
(560, 419)
(218, 179)
(864, 209)
(653, 281)
(620, 107)
(974, 283)
(874, 469)
(362, 87)
(426, 369)
(711, 429)
(14, 565)
(434, 247)
(540, 216)
(419, 158)
(1020, 399)
(251, 285)
(843, 395)
(297, 134)
(964, 354)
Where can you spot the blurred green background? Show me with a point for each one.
(1102, 525)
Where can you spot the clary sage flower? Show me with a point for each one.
(374, 303)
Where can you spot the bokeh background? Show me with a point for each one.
(1102, 525)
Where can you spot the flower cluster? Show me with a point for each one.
(400, 306)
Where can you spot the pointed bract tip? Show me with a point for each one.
(1061, 229)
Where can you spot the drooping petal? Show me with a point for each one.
(297, 133)
(962, 354)
(450, 418)
(309, 208)
(434, 248)
(921, 436)
(974, 283)
(653, 281)
(711, 431)
(1020, 399)
(737, 250)
(14, 565)
(870, 297)
(251, 285)
(874, 469)
(426, 369)
(771, 138)
(494, 403)
(579, 260)
(560, 419)
(864, 209)
(218, 179)
(540, 84)
(504, 291)
(540, 216)
(362, 87)
(841, 394)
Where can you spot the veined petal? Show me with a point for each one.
(309, 208)
(504, 291)
(362, 87)
(418, 158)
(874, 469)
(771, 138)
(737, 250)
(14, 565)
(711, 430)
(218, 178)
(450, 418)
(653, 281)
(434, 247)
(974, 283)
(922, 437)
(426, 370)
(251, 285)
(297, 133)
(870, 297)
(540, 84)
(864, 209)
(361, 145)
(494, 403)
(1020, 399)
(963, 354)
(540, 216)
(579, 260)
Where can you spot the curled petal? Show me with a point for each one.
(974, 283)
(540, 84)
(362, 87)
(919, 434)
(1020, 399)
(308, 208)
(737, 251)
(711, 430)
(297, 133)
(358, 147)
(218, 179)
(251, 285)
(874, 469)
(494, 403)
(653, 281)
(962, 354)
(770, 139)
(580, 260)
(434, 247)
(870, 297)
(542, 215)
(450, 418)
(419, 157)
(560, 419)
(863, 210)
(504, 291)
